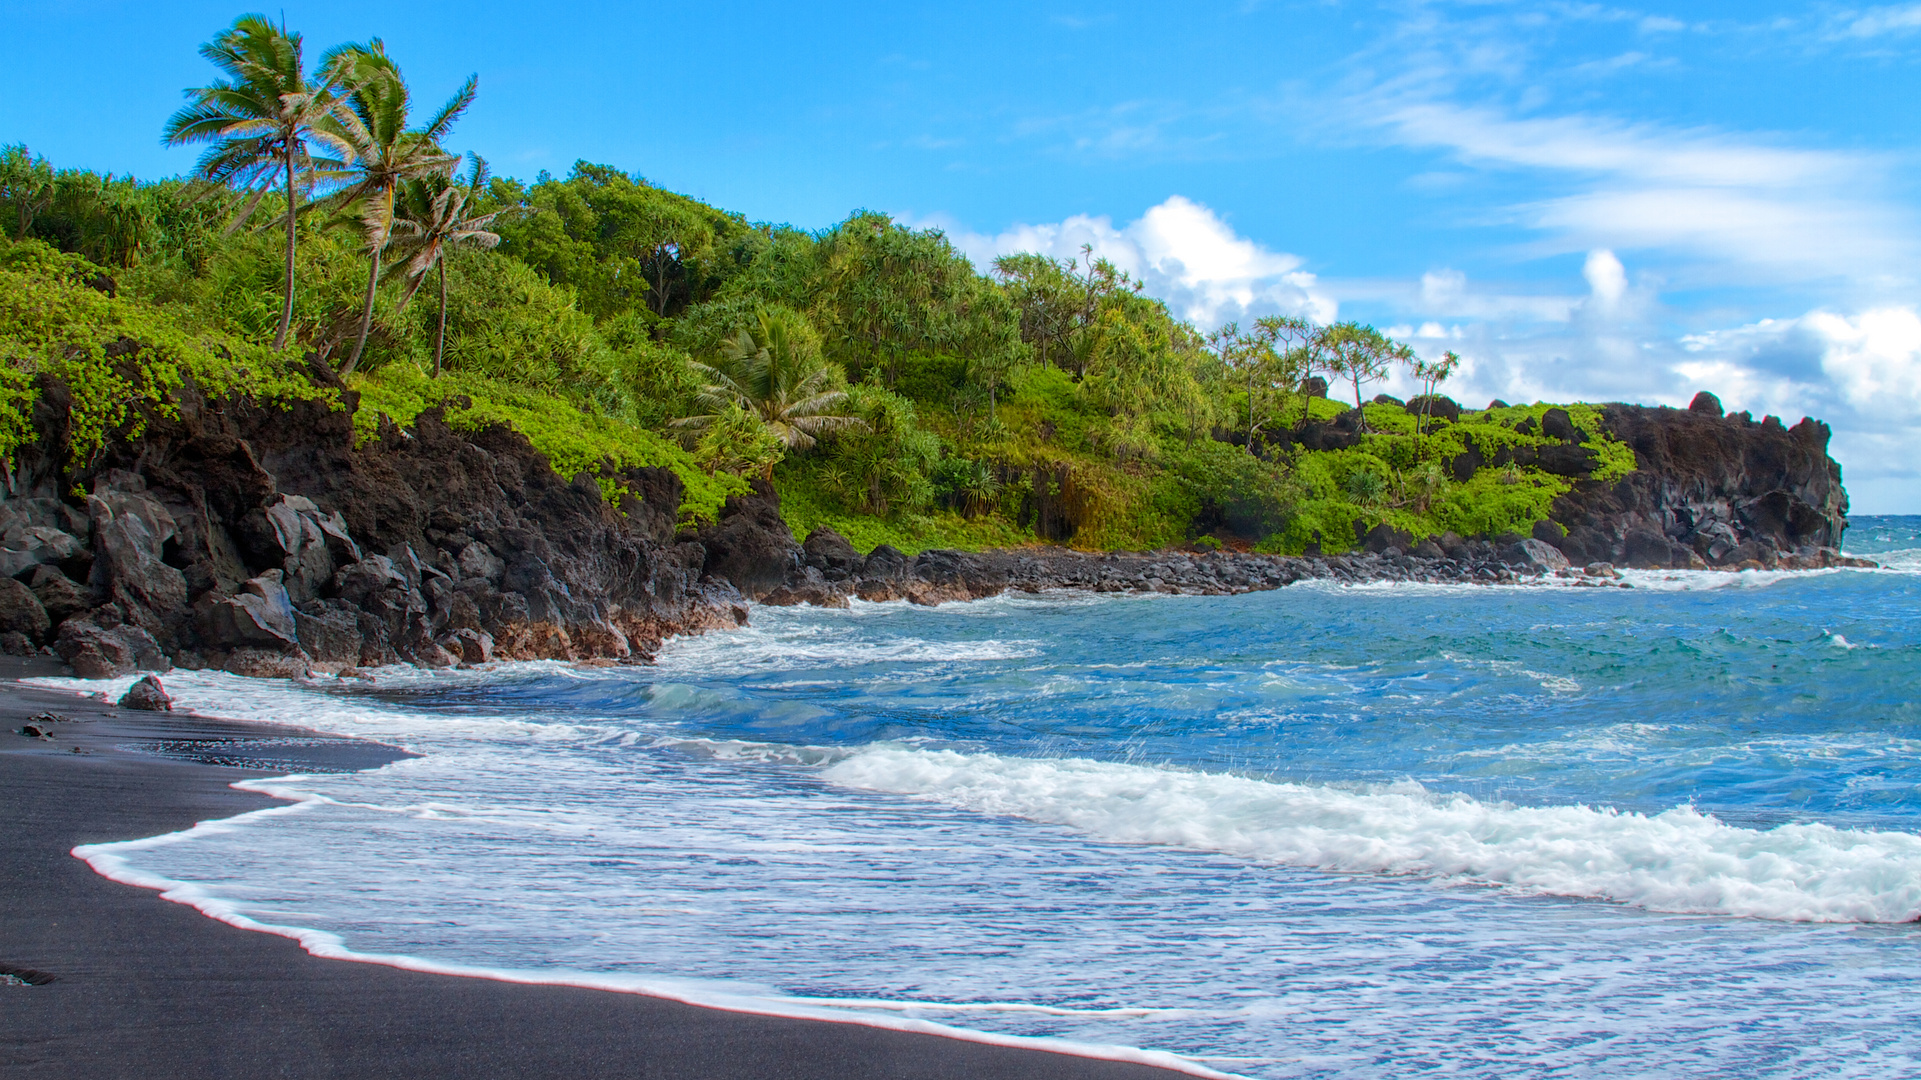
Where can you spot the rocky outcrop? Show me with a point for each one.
(266, 542)
(935, 577)
(1709, 490)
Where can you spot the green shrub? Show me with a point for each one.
(573, 440)
(119, 359)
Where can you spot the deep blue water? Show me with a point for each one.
(1665, 830)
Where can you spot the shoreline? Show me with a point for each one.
(145, 986)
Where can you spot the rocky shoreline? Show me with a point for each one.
(267, 542)
(833, 573)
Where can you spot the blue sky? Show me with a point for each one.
(1583, 200)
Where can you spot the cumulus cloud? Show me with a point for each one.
(1874, 359)
(1860, 372)
(1183, 253)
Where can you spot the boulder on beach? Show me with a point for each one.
(147, 694)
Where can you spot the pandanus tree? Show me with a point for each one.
(382, 153)
(1359, 354)
(1431, 374)
(26, 181)
(259, 121)
(1267, 359)
(433, 216)
(773, 369)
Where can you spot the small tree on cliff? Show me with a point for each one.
(26, 181)
(1359, 354)
(434, 215)
(1431, 375)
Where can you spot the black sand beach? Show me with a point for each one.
(147, 988)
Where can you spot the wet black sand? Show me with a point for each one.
(146, 988)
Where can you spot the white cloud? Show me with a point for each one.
(1183, 253)
(1874, 359)
(1607, 277)
(1751, 208)
(1875, 22)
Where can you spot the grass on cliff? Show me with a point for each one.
(573, 440)
(120, 359)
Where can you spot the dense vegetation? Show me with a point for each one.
(882, 383)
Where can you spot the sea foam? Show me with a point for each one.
(1679, 861)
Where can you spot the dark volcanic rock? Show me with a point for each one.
(147, 694)
(1384, 536)
(59, 594)
(1705, 402)
(751, 545)
(329, 632)
(267, 664)
(1557, 424)
(830, 553)
(99, 646)
(265, 541)
(1703, 487)
(21, 611)
(1436, 407)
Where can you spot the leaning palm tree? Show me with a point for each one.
(259, 121)
(433, 216)
(383, 152)
(774, 370)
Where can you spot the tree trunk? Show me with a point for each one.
(286, 301)
(366, 315)
(440, 336)
(1250, 410)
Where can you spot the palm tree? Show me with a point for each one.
(774, 370)
(259, 120)
(432, 218)
(382, 152)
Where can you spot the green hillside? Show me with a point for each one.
(883, 384)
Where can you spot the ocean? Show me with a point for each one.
(1671, 830)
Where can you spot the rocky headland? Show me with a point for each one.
(265, 542)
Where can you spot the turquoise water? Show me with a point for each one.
(1667, 830)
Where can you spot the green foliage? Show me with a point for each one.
(1251, 496)
(881, 465)
(624, 245)
(772, 368)
(807, 504)
(573, 440)
(737, 442)
(120, 360)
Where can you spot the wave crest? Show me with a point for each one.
(1679, 861)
